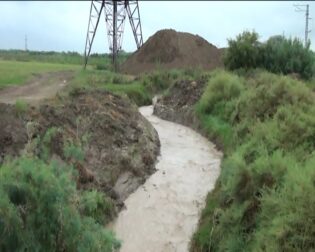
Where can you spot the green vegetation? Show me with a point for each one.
(263, 200)
(18, 67)
(17, 73)
(39, 210)
(278, 55)
(140, 89)
(99, 61)
(20, 106)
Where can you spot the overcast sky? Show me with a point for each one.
(62, 26)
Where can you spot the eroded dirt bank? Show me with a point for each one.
(102, 135)
(162, 214)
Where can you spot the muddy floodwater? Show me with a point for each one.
(162, 214)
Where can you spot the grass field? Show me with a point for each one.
(17, 73)
(96, 60)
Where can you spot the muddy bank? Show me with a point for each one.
(102, 135)
(178, 105)
(162, 215)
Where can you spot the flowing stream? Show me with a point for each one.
(162, 214)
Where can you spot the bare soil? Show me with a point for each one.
(169, 49)
(41, 86)
(178, 105)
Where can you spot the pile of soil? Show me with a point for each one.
(120, 146)
(168, 49)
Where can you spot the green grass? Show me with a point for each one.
(263, 198)
(17, 73)
(98, 61)
(140, 89)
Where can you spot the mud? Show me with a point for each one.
(162, 215)
(178, 105)
(168, 49)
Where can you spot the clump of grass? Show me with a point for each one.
(21, 106)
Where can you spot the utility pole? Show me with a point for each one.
(304, 8)
(26, 42)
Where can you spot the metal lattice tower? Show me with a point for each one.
(115, 15)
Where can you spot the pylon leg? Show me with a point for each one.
(95, 14)
(133, 12)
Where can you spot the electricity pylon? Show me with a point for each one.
(115, 15)
(304, 8)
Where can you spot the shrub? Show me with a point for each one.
(263, 198)
(96, 205)
(243, 52)
(281, 55)
(39, 211)
(278, 55)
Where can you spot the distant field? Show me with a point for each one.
(96, 60)
(17, 73)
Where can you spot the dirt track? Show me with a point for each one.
(42, 86)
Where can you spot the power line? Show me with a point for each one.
(304, 8)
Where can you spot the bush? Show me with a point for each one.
(281, 55)
(243, 52)
(39, 211)
(263, 198)
(278, 55)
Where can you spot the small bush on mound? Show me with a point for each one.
(39, 210)
(278, 55)
(263, 198)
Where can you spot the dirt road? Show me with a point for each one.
(42, 86)
(161, 216)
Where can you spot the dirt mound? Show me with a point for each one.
(114, 145)
(170, 49)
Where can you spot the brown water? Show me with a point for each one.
(162, 215)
